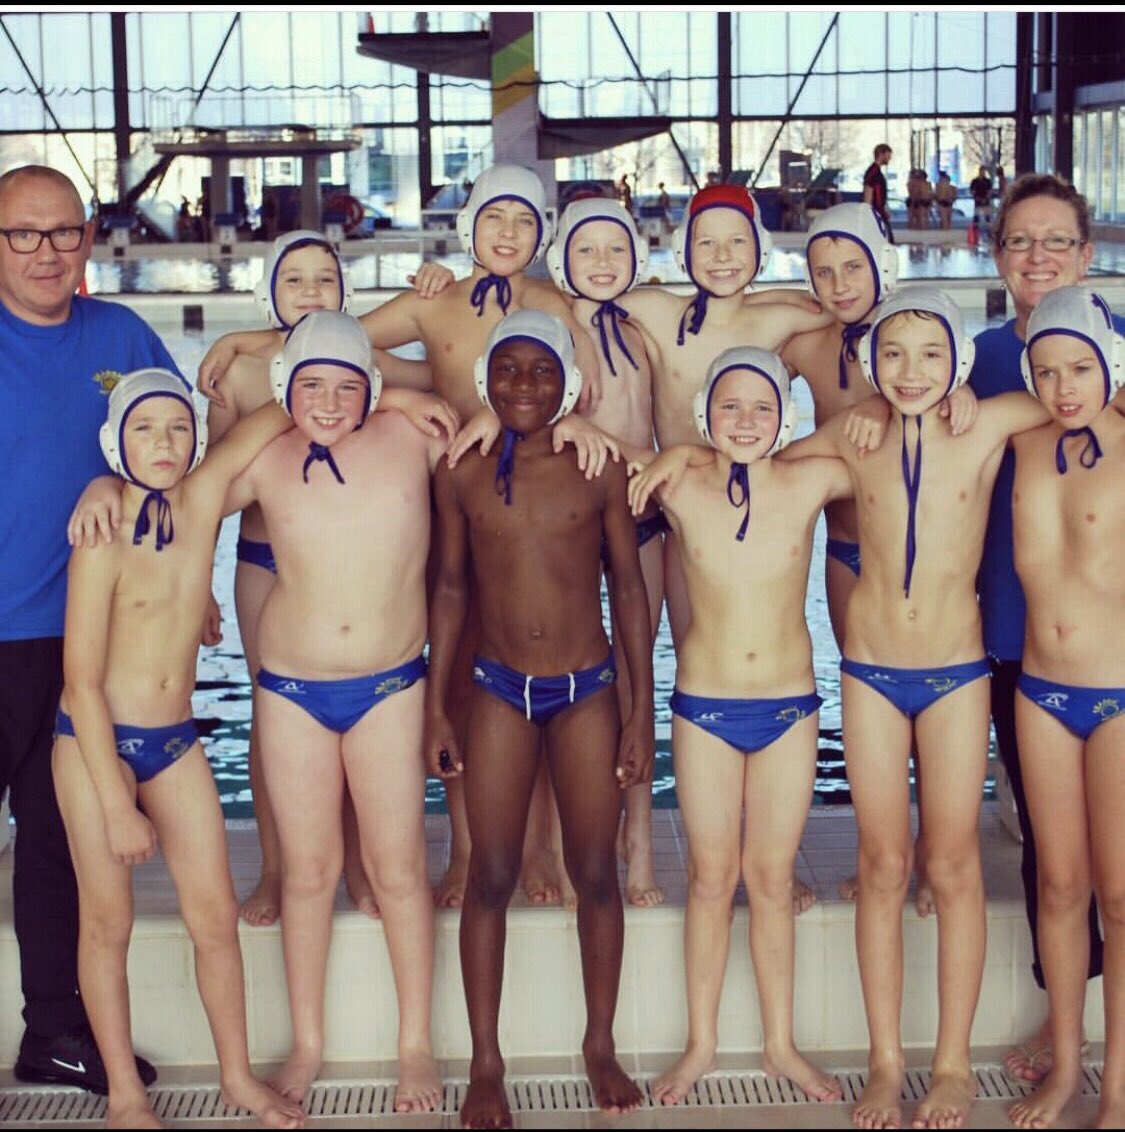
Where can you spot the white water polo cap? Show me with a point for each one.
(504, 182)
(549, 332)
(863, 225)
(325, 338)
(130, 391)
(925, 301)
(1083, 314)
(764, 363)
(265, 290)
(586, 211)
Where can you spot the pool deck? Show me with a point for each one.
(541, 1018)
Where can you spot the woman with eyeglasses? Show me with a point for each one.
(1041, 243)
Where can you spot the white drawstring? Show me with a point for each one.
(571, 675)
(527, 696)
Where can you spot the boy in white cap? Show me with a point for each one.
(302, 273)
(504, 228)
(1069, 533)
(345, 496)
(596, 257)
(128, 767)
(529, 528)
(914, 677)
(745, 708)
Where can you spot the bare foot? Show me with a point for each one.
(614, 1090)
(1031, 1061)
(673, 1085)
(295, 1077)
(881, 1103)
(641, 889)
(268, 1105)
(948, 1102)
(924, 903)
(803, 897)
(486, 1103)
(540, 879)
(1043, 1107)
(1111, 1112)
(360, 892)
(449, 892)
(137, 1113)
(263, 906)
(789, 1063)
(419, 1083)
(848, 888)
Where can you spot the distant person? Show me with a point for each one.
(664, 202)
(981, 188)
(271, 214)
(1001, 182)
(625, 193)
(184, 221)
(945, 193)
(875, 185)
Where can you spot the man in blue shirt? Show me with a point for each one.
(59, 354)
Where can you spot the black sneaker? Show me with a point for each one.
(69, 1059)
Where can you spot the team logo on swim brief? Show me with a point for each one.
(106, 379)
(1107, 709)
(606, 676)
(291, 688)
(130, 746)
(175, 747)
(1054, 700)
(709, 717)
(791, 714)
(391, 685)
(942, 683)
(480, 675)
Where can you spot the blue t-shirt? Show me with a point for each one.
(53, 392)
(1003, 609)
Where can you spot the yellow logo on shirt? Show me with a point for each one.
(106, 379)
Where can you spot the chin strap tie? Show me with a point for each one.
(740, 478)
(507, 465)
(852, 334)
(613, 313)
(1091, 452)
(319, 452)
(164, 529)
(913, 481)
(479, 297)
(697, 308)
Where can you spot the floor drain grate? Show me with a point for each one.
(46, 1106)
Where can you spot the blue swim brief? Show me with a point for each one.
(845, 552)
(748, 725)
(340, 704)
(147, 750)
(1081, 710)
(912, 690)
(256, 553)
(647, 530)
(541, 698)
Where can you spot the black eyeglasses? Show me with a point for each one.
(24, 241)
(1048, 243)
